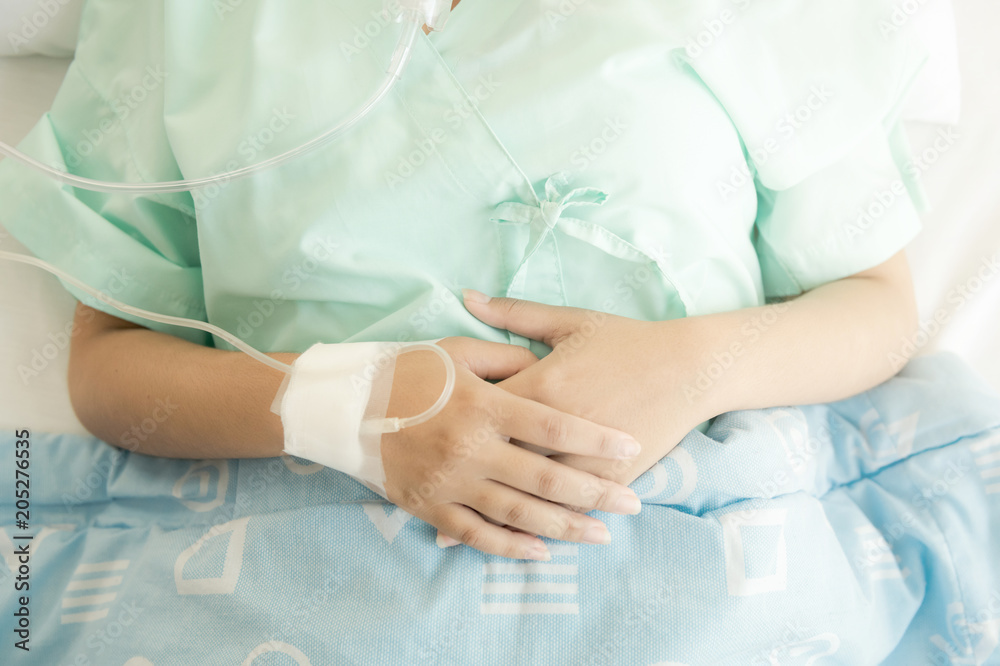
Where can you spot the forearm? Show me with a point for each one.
(160, 395)
(658, 380)
(833, 342)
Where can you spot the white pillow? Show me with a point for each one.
(46, 27)
(936, 94)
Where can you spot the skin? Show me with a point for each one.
(220, 408)
(622, 376)
(603, 387)
(828, 344)
(653, 379)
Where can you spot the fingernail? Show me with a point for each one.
(474, 296)
(445, 541)
(540, 553)
(628, 504)
(628, 448)
(598, 534)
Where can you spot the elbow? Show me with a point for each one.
(908, 313)
(909, 342)
(92, 406)
(82, 390)
(901, 305)
(895, 312)
(87, 363)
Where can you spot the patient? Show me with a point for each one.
(703, 256)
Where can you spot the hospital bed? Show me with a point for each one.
(958, 287)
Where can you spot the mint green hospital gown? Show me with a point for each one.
(650, 159)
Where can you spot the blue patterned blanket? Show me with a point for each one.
(861, 532)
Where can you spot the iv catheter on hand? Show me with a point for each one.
(414, 14)
(333, 400)
(327, 415)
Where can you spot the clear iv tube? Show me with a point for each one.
(146, 314)
(400, 59)
(414, 15)
(383, 425)
(394, 424)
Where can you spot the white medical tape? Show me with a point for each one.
(333, 407)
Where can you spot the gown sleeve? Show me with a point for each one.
(107, 123)
(815, 90)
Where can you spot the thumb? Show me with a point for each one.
(548, 323)
(492, 360)
(445, 541)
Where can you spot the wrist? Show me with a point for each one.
(706, 359)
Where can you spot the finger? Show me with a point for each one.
(596, 467)
(548, 323)
(444, 541)
(492, 360)
(620, 472)
(515, 508)
(544, 478)
(466, 526)
(544, 426)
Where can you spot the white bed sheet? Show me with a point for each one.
(33, 305)
(961, 231)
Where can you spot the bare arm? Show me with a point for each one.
(833, 342)
(658, 380)
(159, 395)
(156, 394)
